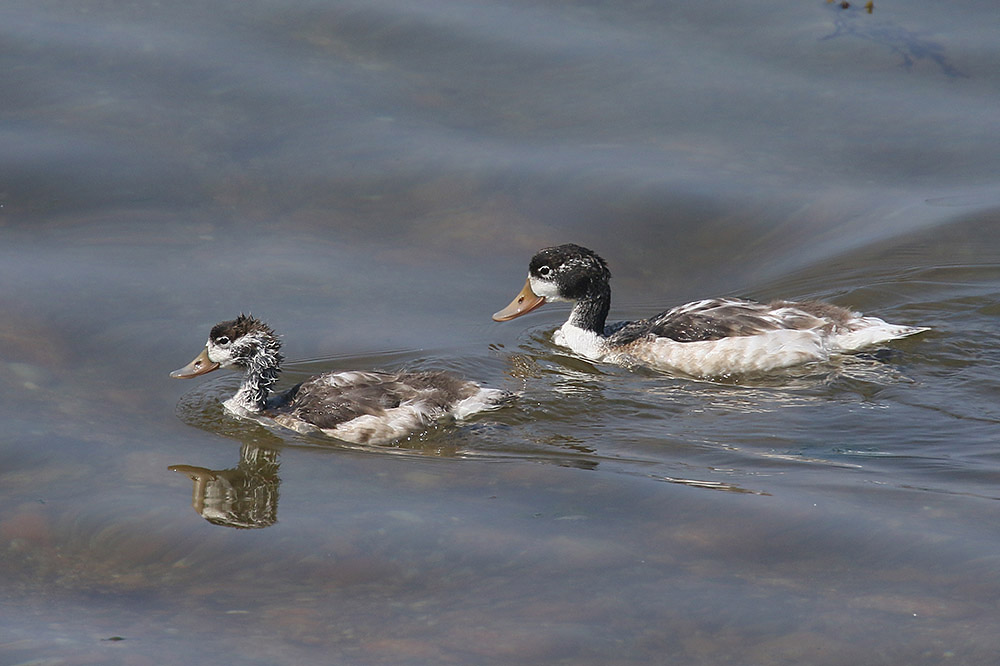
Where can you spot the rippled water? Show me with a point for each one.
(372, 178)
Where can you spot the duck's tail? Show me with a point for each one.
(868, 331)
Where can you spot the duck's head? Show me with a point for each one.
(563, 273)
(244, 342)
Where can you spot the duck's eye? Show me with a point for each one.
(223, 340)
(545, 271)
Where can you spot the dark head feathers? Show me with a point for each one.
(570, 257)
(239, 327)
(580, 274)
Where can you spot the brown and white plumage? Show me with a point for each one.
(709, 338)
(359, 407)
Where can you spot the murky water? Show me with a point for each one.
(372, 178)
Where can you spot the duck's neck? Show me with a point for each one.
(263, 369)
(590, 313)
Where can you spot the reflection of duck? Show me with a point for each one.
(714, 337)
(244, 497)
(360, 407)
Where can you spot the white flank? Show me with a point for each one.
(762, 352)
(351, 378)
(381, 429)
(483, 400)
(736, 355)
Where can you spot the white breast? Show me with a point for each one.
(585, 343)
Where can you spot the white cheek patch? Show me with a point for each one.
(216, 354)
(545, 288)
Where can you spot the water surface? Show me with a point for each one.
(372, 178)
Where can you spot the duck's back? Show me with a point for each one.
(373, 407)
